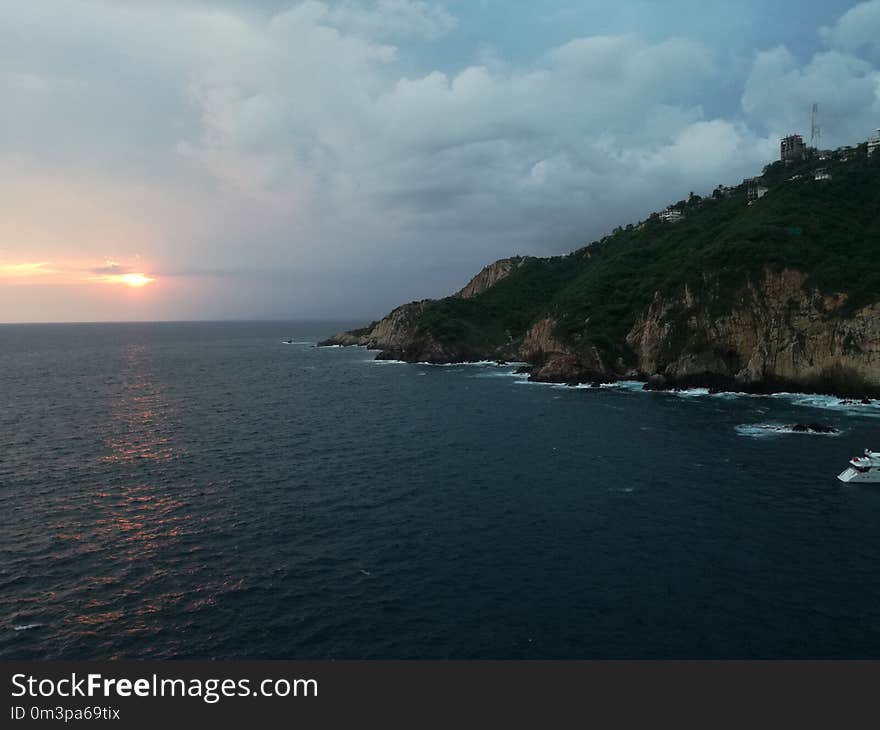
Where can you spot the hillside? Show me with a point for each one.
(783, 292)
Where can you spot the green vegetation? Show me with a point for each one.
(828, 229)
(505, 311)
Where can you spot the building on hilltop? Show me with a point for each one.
(846, 153)
(755, 188)
(874, 144)
(671, 215)
(792, 148)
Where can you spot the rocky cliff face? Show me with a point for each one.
(395, 331)
(489, 276)
(399, 337)
(554, 362)
(724, 314)
(778, 335)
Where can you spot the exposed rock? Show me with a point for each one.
(813, 428)
(397, 331)
(489, 276)
(554, 362)
(540, 343)
(343, 339)
(559, 369)
(778, 335)
(399, 337)
(656, 382)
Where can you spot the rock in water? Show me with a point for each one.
(656, 382)
(813, 428)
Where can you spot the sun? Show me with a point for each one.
(136, 280)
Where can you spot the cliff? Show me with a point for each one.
(782, 294)
(489, 276)
(780, 335)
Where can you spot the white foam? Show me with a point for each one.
(824, 402)
(525, 381)
(832, 403)
(475, 363)
(769, 430)
(630, 385)
(26, 627)
(503, 373)
(691, 392)
(508, 369)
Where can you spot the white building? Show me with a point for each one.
(755, 188)
(757, 192)
(822, 174)
(671, 215)
(874, 143)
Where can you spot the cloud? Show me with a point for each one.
(404, 157)
(843, 78)
(392, 19)
(780, 92)
(858, 28)
(24, 270)
(111, 267)
(316, 157)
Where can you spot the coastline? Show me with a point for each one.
(710, 383)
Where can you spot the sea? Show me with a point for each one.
(206, 490)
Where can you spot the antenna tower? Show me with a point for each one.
(815, 130)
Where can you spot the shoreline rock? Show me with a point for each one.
(813, 428)
(568, 371)
(778, 337)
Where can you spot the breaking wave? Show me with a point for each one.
(829, 402)
(769, 430)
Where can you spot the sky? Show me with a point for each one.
(278, 159)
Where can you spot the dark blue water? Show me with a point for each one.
(203, 490)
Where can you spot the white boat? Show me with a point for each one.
(863, 468)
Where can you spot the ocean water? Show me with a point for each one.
(206, 491)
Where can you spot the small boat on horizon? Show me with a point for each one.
(863, 468)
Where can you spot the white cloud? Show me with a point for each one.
(392, 19)
(843, 78)
(324, 129)
(303, 142)
(856, 29)
(780, 92)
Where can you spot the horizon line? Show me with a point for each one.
(185, 321)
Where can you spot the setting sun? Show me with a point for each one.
(136, 280)
(133, 279)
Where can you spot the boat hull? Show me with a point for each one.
(854, 476)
